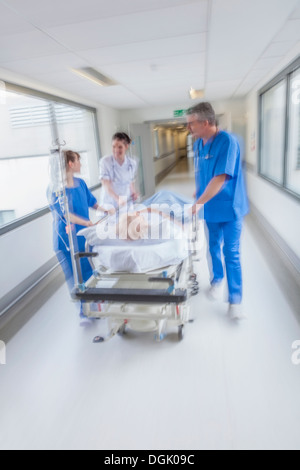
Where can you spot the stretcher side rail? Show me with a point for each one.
(81, 254)
(133, 295)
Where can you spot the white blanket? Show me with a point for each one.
(137, 256)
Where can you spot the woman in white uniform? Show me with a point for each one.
(118, 173)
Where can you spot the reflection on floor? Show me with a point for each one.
(225, 386)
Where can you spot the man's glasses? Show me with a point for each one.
(192, 122)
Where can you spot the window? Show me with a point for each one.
(280, 130)
(77, 127)
(273, 130)
(30, 123)
(293, 157)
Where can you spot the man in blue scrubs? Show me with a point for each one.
(221, 189)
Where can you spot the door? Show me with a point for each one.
(142, 150)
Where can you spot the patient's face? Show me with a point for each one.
(132, 226)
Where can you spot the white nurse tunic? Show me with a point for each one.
(120, 176)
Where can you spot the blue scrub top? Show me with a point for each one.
(80, 199)
(221, 155)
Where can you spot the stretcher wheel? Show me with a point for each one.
(98, 339)
(159, 338)
(122, 330)
(180, 332)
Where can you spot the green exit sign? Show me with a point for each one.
(179, 112)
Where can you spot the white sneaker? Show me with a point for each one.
(85, 321)
(215, 291)
(235, 312)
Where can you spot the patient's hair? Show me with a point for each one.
(123, 137)
(70, 156)
(132, 226)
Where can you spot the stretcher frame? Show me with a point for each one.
(159, 298)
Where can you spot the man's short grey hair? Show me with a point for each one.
(204, 112)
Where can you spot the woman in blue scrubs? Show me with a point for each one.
(221, 189)
(80, 200)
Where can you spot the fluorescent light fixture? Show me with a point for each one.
(196, 94)
(94, 76)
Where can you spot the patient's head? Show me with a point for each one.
(132, 226)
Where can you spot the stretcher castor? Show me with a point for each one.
(181, 332)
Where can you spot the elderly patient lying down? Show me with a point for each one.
(166, 204)
(147, 224)
(159, 217)
(144, 239)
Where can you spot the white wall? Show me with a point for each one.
(109, 124)
(173, 142)
(167, 140)
(279, 209)
(140, 115)
(26, 249)
(164, 163)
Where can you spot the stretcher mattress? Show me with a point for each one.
(137, 256)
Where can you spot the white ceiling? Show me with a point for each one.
(154, 49)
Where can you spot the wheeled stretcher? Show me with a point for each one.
(147, 301)
(148, 297)
(142, 302)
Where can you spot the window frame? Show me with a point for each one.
(286, 75)
(14, 88)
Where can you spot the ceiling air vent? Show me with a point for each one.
(94, 76)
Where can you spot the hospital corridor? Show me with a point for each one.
(149, 226)
(223, 387)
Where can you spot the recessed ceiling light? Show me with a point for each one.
(93, 75)
(196, 94)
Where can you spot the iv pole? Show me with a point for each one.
(78, 282)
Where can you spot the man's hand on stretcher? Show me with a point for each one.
(212, 189)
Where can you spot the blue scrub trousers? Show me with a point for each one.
(64, 258)
(228, 233)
